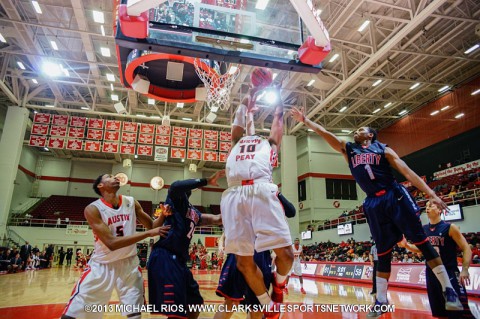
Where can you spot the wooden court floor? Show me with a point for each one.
(43, 294)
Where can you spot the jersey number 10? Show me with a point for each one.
(249, 148)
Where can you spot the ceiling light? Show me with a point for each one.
(136, 156)
(334, 57)
(180, 105)
(20, 65)
(271, 96)
(414, 86)
(232, 69)
(35, 112)
(65, 71)
(376, 111)
(402, 112)
(459, 115)
(154, 116)
(310, 130)
(49, 105)
(434, 113)
(244, 41)
(444, 108)
(346, 131)
(85, 108)
(214, 109)
(443, 88)
(261, 4)
(343, 109)
(377, 82)
(46, 149)
(105, 51)
(364, 25)
(141, 115)
(266, 129)
(114, 97)
(274, 76)
(111, 87)
(476, 46)
(151, 101)
(476, 92)
(54, 45)
(98, 16)
(2, 39)
(102, 29)
(35, 81)
(51, 69)
(311, 82)
(186, 119)
(291, 52)
(110, 77)
(36, 6)
(387, 105)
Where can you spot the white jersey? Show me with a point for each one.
(297, 252)
(122, 222)
(252, 158)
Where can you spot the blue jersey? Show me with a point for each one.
(443, 243)
(370, 167)
(184, 219)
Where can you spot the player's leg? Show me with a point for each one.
(461, 291)
(297, 270)
(283, 263)
(130, 288)
(193, 296)
(231, 286)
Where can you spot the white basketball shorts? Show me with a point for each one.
(96, 285)
(253, 219)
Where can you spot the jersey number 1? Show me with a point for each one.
(369, 171)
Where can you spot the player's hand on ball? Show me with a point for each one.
(161, 231)
(213, 180)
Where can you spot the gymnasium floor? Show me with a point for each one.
(43, 294)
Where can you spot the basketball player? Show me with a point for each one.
(114, 263)
(297, 265)
(252, 214)
(170, 282)
(389, 208)
(445, 238)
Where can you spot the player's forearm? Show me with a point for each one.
(123, 241)
(412, 248)
(250, 124)
(277, 126)
(467, 258)
(416, 181)
(184, 186)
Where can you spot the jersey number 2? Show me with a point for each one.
(119, 231)
(190, 232)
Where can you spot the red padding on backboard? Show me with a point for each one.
(132, 26)
(311, 54)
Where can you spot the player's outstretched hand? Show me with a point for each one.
(213, 180)
(402, 243)
(434, 199)
(161, 231)
(464, 277)
(163, 210)
(298, 114)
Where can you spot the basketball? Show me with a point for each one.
(261, 77)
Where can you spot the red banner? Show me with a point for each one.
(41, 118)
(55, 142)
(96, 123)
(129, 137)
(113, 125)
(194, 154)
(145, 150)
(130, 127)
(177, 153)
(163, 130)
(223, 157)
(179, 131)
(145, 138)
(179, 141)
(225, 146)
(92, 146)
(195, 133)
(109, 147)
(127, 149)
(210, 156)
(75, 145)
(211, 135)
(147, 128)
(162, 140)
(56, 130)
(76, 132)
(94, 134)
(78, 121)
(211, 144)
(211, 242)
(60, 119)
(225, 136)
(112, 136)
(39, 141)
(40, 129)
(195, 143)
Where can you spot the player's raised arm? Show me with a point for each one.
(276, 132)
(461, 242)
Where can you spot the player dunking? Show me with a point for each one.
(170, 282)
(389, 208)
(446, 238)
(252, 214)
(297, 265)
(114, 263)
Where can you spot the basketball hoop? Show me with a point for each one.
(218, 85)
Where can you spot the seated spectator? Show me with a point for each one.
(453, 192)
(15, 264)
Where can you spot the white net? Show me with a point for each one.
(217, 85)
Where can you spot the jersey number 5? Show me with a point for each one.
(119, 231)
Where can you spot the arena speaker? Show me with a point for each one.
(127, 162)
(175, 71)
(211, 117)
(141, 84)
(166, 120)
(120, 108)
(192, 168)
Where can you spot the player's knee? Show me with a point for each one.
(246, 265)
(285, 255)
(384, 263)
(428, 251)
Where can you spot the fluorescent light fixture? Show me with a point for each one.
(443, 88)
(266, 129)
(35, 112)
(402, 112)
(186, 119)
(110, 77)
(182, 160)
(102, 29)
(35, 81)
(444, 108)
(434, 113)
(290, 52)
(136, 156)
(114, 97)
(46, 148)
(233, 69)
(51, 69)
(141, 115)
(364, 25)
(154, 117)
(377, 82)
(85, 108)
(387, 105)
(151, 101)
(343, 109)
(274, 76)
(334, 57)
(311, 82)
(346, 131)
(98, 16)
(459, 115)
(271, 96)
(414, 86)
(111, 86)
(36, 6)
(54, 45)
(49, 105)
(105, 51)
(376, 111)
(214, 109)
(2, 39)
(476, 46)
(310, 130)
(20, 65)
(244, 41)
(180, 105)
(261, 4)
(476, 92)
